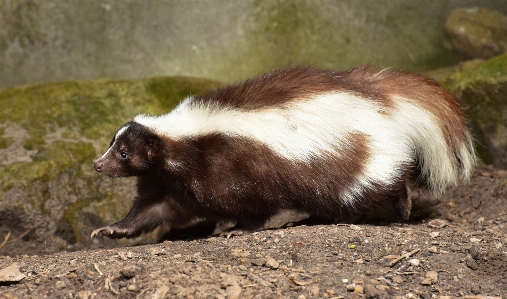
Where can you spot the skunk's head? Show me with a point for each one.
(133, 151)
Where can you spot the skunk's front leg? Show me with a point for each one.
(145, 216)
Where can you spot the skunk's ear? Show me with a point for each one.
(153, 146)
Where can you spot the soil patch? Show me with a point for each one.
(454, 245)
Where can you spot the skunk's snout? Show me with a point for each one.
(98, 165)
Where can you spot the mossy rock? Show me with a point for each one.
(477, 32)
(482, 88)
(49, 135)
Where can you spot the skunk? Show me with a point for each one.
(291, 144)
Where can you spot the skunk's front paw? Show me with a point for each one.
(112, 232)
(233, 233)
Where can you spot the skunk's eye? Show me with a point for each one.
(123, 155)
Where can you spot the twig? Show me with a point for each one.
(407, 273)
(21, 236)
(65, 273)
(405, 256)
(5, 239)
(97, 268)
(109, 286)
(141, 293)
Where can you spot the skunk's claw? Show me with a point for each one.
(111, 232)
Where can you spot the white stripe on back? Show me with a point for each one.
(305, 129)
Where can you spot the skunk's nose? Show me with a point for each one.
(98, 165)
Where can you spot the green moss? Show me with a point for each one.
(482, 86)
(34, 143)
(5, 142)
(24, 174)
(93, 109)
(168, 93)
(69, 153)
(54, 159)
(112, 208)
(478, 72)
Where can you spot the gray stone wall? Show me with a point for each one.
(227, 40)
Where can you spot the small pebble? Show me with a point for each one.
(84, 294)
(433, 249)
(426, 282)
(358, 289)
(351, 287)
(130, 271)
(414, 262)
(233, 291)
(132, 287)
(60, 285)
(434, 234)
(160, 292)
(242, 268)
(471, 263)
(258, 262)
(271, 263)
(451, 217)
(438, 223)
(500, 174)
(315, 290)
(370, 292)
(157, 251)
(11, 274)
(433, 275)
(398, 279)
(431, 278)
(475, 289)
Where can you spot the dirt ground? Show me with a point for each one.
(454, 246)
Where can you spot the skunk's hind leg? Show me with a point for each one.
(244, 226)
(403, 204)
